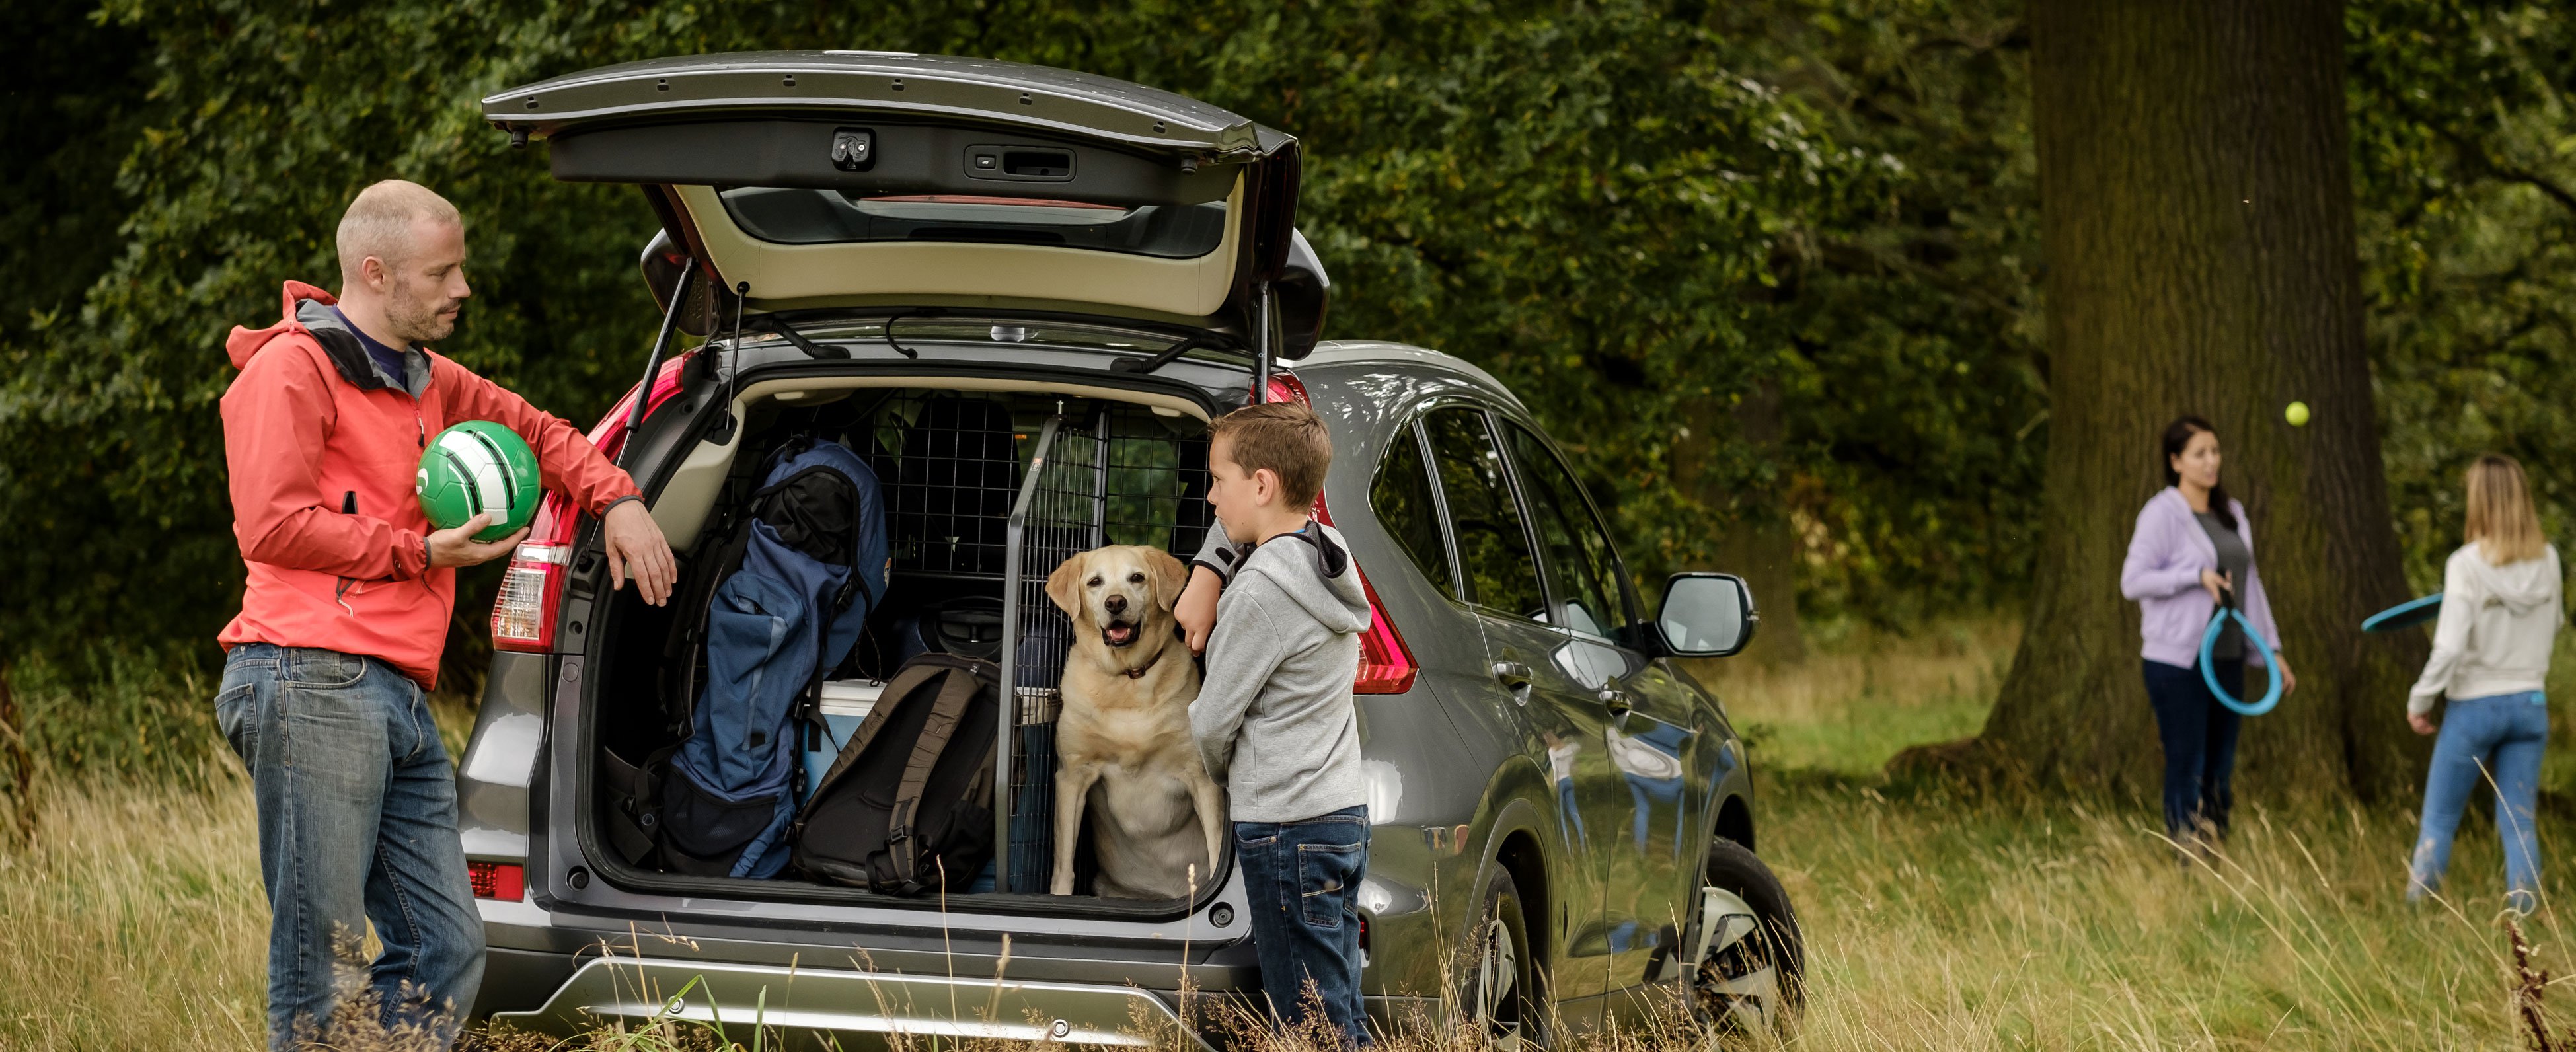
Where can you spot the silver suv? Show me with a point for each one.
(1020, 293)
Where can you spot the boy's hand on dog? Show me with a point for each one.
(1196, 608)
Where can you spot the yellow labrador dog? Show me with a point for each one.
(1123, 748)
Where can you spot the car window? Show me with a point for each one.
(1582, 569)
(1493, 548)
(1401, 496)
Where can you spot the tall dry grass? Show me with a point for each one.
(1935, 918)
(134, 920)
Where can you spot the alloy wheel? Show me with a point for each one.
(1498, 975)
(1738, 983)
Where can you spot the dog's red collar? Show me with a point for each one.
(1139, 671)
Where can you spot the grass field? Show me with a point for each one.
(1934, 919)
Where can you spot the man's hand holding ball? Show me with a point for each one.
(456, 545)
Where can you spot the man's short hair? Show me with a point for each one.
(1286, 437)
(380, 220)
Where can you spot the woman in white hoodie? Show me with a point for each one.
(2500, 610)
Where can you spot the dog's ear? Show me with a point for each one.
(1170, 576)
(1065, 585)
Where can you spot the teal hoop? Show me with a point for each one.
(2271, 662)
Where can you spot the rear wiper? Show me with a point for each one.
(784, 331)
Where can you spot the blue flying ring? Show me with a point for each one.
(2271, 663)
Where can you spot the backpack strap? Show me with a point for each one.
(634, 813)
(945, 713)
(906, 680)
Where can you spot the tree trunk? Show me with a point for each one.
(1762, 545)
(2197, 215)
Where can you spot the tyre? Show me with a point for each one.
(1753, 961)
(1503, 988)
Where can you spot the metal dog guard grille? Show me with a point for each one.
(1121, 475)
(949, 467)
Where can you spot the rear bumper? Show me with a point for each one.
(553, 974)
(561, 974)
(847, 1004)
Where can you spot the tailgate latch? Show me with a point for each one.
(853, 149)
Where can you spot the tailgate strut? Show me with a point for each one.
(653, 362)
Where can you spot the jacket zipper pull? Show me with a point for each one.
(423, 427)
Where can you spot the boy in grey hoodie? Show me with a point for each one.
(1274, 717)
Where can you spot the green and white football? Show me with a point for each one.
(479, 466)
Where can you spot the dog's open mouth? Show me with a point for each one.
(1118, 634)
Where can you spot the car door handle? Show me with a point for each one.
(1617, 701)
(1513, 674)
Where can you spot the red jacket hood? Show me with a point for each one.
(244, 344)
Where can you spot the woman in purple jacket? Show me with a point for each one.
(2193, 547)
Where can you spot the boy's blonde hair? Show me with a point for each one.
(2501, 520)
(1285, 437)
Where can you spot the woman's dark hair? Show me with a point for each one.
(2177, 435)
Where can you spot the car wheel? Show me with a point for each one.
(1502, 982)
(1752, 960)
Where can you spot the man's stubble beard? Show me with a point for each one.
(414, 319)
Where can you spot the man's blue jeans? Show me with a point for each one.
(1302, 880)
(2499, 736)
(357, 823)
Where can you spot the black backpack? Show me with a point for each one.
(908, 806)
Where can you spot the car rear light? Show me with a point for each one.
(523, 614)
(531, 596)
(1386, 664)
(1285, 387)
(609, 434)
(506, 881)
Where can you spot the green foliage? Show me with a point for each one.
(2465, 166)
(1635, 212)
(1914, 388)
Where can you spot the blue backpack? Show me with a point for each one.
(812, 563)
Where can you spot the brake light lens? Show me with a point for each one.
(505, 881)
(1285, 387)
(609, 434)
(531, 597)
(1386, 664)
(523, 614)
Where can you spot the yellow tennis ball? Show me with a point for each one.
(2297, 414)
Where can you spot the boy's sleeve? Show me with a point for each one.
(1217, 552)
(1242, 653)
(568, 462)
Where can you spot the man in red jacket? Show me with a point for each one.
(329, 665)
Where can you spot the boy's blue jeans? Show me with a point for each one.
(357, 822)
(2499, 736)
(1302, 880)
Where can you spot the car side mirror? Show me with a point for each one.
(1706, 615)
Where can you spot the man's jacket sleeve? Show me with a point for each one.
(277, 418)
(570, 464)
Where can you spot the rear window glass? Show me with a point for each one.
(822, 217)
